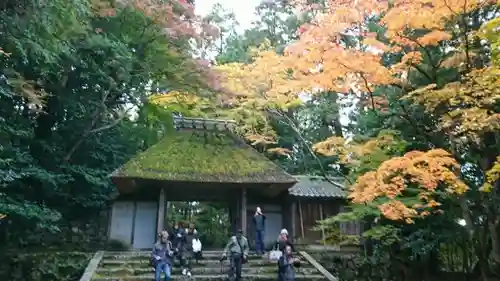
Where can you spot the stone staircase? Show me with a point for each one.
(134, 266)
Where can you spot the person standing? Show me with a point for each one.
(237, 248)
(189, 253)
(284, 240)
(162, 256)
(259, 220)
(197, 247)
(286, 263)
(178, 238)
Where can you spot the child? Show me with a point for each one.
(197, 247)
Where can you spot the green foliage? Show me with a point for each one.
(53, 266)
(210, 219)
(74, 82)
(334, 236)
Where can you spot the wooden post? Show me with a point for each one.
(161, 211)
(244, 210)
(301, 218)
(323, 236)
(293, 211)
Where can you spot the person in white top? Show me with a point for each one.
(197, 248)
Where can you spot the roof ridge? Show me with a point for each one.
(193, 123)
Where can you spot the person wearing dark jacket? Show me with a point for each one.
(284, 240)
(178, 238)
(259, 220)
(286, 265)
(162, 256)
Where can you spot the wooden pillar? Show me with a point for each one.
(233, 215)
(293, 226)
(321, 218)
(243, 213)
(301, 218)
(161, 211)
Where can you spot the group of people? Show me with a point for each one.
(237, 249)
(182, 244)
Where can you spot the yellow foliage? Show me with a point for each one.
(266, 80)
(489, 31)
(469, 106)
(350, 152)
(427, 171)
(492, 176)
(175, 97)
(333, 146)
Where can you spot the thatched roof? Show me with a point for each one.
(317, 187)
(203, 151)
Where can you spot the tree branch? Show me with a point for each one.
(291, 124)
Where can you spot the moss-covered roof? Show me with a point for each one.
(203, 156)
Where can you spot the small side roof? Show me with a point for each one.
(317, 187)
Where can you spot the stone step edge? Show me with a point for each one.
(196, 269)
(260, 263)
(212, 276)
(148, 253)
(125, 254)
(109, 268)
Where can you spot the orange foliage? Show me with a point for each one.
(360, 67)
(428, 172)
(411, 26)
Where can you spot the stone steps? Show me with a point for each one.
(145, 263)
(212, 255)
(124, 271)
(219, 277)
(135, 266)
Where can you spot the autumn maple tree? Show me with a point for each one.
(427, 38)
(368, 49)
(322, 59)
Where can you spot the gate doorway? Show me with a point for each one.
(211, 219)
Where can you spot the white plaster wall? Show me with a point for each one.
(274, 223)
(145, 225)
(122, 215)
(273, 227)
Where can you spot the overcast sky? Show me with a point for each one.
(243, 9)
